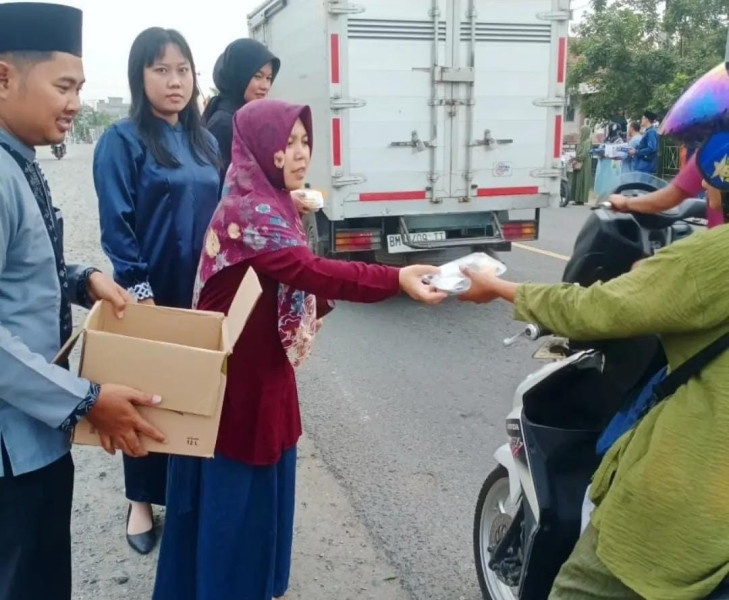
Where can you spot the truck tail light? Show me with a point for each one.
(357, 240)
(519, 230)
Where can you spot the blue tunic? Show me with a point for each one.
(39, 402)
(646, 156)
(153, 218)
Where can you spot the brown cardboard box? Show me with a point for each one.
(179, 354)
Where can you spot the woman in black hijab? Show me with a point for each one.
(243, 72)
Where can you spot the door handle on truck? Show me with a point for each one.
(414, 142)
(343, 103)
(556, 102)
(454, 74)
(489, 141)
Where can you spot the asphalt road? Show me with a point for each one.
(406, 405)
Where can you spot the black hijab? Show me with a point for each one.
(233, 71)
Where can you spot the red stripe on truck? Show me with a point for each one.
(379, 196)
(558, 136)
(562, 60)
(507, 191)
(337, 142)
(334, 40)
(422, 195)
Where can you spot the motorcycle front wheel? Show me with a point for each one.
(494, 514)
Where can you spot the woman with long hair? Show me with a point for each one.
(156, 177)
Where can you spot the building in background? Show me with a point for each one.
(114, 107)
(574, 118)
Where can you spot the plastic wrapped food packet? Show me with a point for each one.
(313, 199)
(452, 281)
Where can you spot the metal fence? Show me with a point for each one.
(669, 160)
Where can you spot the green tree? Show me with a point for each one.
(88, 119)
(638, 54)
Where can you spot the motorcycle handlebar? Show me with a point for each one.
(531, 332)
(691, 208)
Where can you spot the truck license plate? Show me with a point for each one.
(395, 244)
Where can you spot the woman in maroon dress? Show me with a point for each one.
(229, 524)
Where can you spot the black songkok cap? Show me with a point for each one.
(39, 27)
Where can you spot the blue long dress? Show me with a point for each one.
(153, 219)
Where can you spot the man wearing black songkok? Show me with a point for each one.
(40, 79)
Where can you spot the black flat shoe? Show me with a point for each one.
(143, 543)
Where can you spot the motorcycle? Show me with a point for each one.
(530, 508)
(59, 150)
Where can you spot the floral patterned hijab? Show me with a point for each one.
(256, 214)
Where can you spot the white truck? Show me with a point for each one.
(432, 118)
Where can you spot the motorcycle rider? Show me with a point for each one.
(58, 150)
(661, 492)
(687, 184)
(688, 181)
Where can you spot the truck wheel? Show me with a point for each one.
(315, 243)
(564, 194)
(312, 237)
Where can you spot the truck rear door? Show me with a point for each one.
(397, 138)
(505, 121)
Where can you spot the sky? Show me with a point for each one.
(110, 27)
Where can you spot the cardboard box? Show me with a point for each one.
(179, 354)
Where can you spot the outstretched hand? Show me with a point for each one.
(411, 282)
(486, 286)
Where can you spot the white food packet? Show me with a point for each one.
(314, 199)
(452, 281)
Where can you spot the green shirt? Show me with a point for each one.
(662, 491)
